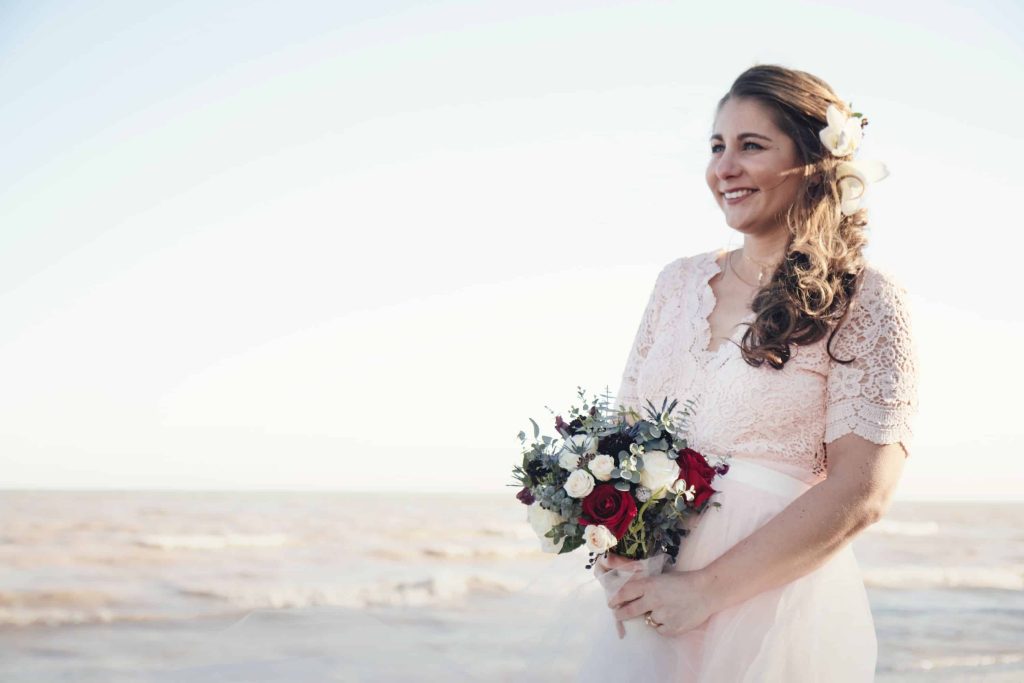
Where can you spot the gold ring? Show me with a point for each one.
(650, 621)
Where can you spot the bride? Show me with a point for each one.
(800, 360)
(801, 357)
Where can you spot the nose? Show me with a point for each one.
(726, 166)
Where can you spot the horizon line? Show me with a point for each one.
(896, 499)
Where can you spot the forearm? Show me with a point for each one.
(798, 540)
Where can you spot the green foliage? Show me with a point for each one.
(656, 527)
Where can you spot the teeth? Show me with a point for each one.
(737, 193)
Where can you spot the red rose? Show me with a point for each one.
(609, 506)
(696, 472)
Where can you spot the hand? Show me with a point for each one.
(677, 600)
(609, 561)
(606, 563)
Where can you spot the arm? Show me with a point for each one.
(869, 406)
(861, 479)
(798, 540)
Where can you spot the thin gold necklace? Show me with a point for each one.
(760, 271)
(728, 259)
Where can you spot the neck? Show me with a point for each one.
(764, 253)
(767, 250)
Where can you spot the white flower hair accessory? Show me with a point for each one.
(843, 134)
(842, 137)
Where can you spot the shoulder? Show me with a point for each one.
(879, 316)
(878, 279)
(680, 267)
(881, 294)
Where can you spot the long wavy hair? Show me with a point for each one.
(809, 293)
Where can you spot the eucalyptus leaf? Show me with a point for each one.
(570, 544)
(536, 429)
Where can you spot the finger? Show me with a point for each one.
(627, 593)
(633, 609)
(620, 628)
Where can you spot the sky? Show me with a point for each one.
(355, 246)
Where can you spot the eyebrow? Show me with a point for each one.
(743, 135)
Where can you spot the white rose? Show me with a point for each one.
(659, 471)
(599, 538)
(569, 460)
(601, 467)
(543, 520)
(579, 484)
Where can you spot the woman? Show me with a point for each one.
(801, 359)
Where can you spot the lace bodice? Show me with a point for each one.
(781, 417)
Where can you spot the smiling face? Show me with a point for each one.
(749, 152)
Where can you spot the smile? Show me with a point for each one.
(736, 197)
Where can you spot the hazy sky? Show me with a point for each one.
(356, 245)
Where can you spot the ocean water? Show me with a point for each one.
(129, 586)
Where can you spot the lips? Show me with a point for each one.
(735, 200)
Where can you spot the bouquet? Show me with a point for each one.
(614, 480)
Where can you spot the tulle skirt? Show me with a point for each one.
(818, 627)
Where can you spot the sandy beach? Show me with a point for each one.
(132, 586)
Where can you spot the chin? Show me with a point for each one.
(742, 227)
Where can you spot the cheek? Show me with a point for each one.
(711, 180)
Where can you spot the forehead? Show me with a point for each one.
(744, 114)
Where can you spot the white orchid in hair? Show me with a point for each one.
(842, 137)
(854, 177)
(843, 133)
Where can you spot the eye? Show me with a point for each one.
(748, 142)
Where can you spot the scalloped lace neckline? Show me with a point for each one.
(709, 303)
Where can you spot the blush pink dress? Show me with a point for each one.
(774, 424)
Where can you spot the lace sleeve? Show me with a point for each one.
(875, 396)
(642, 342)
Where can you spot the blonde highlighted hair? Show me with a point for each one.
(808, 295)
